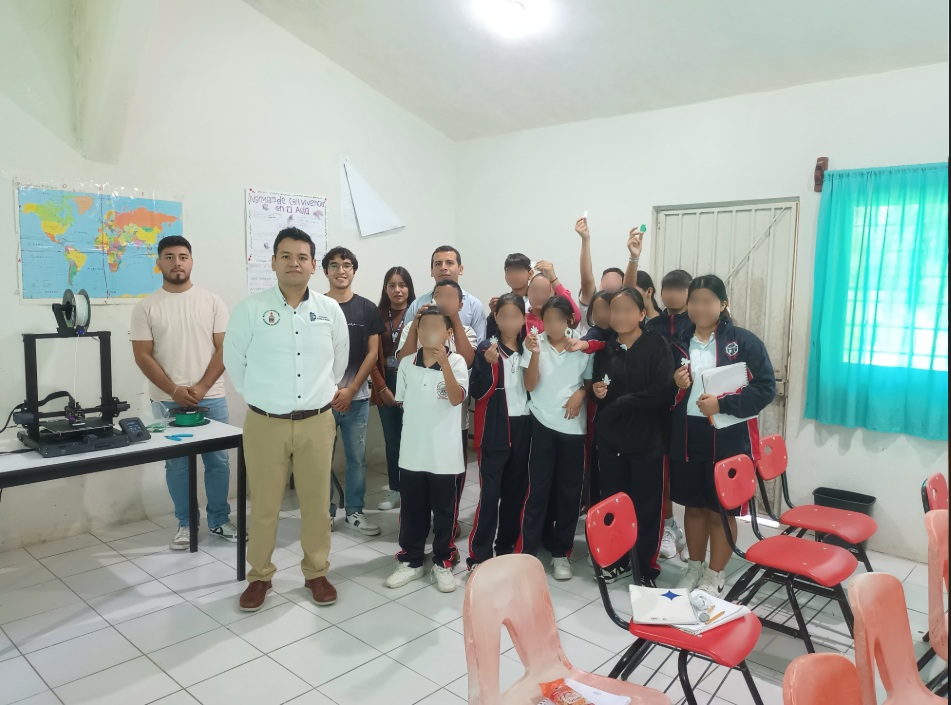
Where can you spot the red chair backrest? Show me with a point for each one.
(936, 523)
(612, 529)
(735, 481)
(821, 679)
(773, 458)
(936, 488)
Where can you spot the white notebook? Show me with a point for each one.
(725, 380)
(661, 606)
(719, 612)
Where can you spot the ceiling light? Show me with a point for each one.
(514, 18)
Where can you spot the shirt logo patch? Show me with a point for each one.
(441, 392)
(732, 349)
(313, 316)
(271, 317)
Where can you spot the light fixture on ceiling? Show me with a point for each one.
(514, 18)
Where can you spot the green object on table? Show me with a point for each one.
(189, 417)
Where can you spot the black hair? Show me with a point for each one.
(676, 279)
(433, 311)
(633, 294)
(384, 304)
(713, 283)
(613, 270)
(173, 241)
(517, 260)
(645, 282)
(445, 248)
(295, 234)
(341, 252)
(448, 282)
(510, 299)
(606, 295)
(561, 304)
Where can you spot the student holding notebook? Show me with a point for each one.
(711, 340)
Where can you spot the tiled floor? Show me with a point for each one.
(115, 617)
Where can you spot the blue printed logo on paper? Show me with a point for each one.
(670, 595)
(732, 349)
(271, 317)
(441, 392)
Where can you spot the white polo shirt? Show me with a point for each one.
(560, 374)
(430, 438)
(513, 373)
(283, 359)
(703, 357)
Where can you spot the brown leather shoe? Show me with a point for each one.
(252, 599)
(324, 593)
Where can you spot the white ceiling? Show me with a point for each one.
(606, 57)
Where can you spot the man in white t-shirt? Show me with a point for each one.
(177, 338)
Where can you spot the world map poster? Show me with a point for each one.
(103, 242)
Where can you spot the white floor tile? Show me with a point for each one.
(227, 551)
(17, 555)
(388, 627)
(82, 560)
(160, 565)
(566, 602)
(439, 656)
(7, 648)
(19, 681)
(583, 654)
(115, 532)
(916, 598)
(204, 656)
(82, 656)
(166, 627)
(313, 697)
(135, 682)
(592, 624)
(123, 605)
(441, 607)
(102, 581)
(35, 599)
(44, 698)
(54, 626)
(203, 580)
(442, 697)
(324, 656)
(358, 560)
(222, 605)
(509, 672)
(70, 543)
(403, 686)
(21, 575)
(166, 521)
(374, 581)
(261, 682)
(279, 626)
(139, 545)
(918, 576)
(352, 600)
(182, 697)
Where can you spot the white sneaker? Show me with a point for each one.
(444, 579)
(712, 582)
(392, 501)
(695, 572)
(685, 554)
(359, 522)
(562, 569)
(182, 539)
(403, 575)
(668, 544)
(228, 531)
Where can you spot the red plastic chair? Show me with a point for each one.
(612, 533)
(796, 563)
(821, 679)
(512, 592)
(852, 527)
(883, 639)
(936, 523)
(934, 492)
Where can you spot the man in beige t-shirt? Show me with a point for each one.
(177, 338)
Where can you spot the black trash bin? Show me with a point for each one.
(843, 499)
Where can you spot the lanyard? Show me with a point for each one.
(395, 334)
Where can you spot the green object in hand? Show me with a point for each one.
(189, 417)
(643, 228)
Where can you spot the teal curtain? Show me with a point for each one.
(879, 348)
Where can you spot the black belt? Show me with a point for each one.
(293, 416)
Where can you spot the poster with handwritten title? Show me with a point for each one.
(269, 212)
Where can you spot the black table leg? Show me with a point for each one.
(242, 511)
(193, 503)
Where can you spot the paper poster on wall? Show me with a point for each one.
(269, 212)
(362, 208)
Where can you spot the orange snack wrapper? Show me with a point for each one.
(560, 693)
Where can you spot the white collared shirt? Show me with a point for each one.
(283, 359)
(703, 357)
(560, 374)
(513, 375)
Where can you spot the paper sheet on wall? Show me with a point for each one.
(269, 212)
(362, 208)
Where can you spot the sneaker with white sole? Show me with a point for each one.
(444, 579)
(712, 582)
(673, 541)
(615, 574)
(561, 569)
(182, 540)
(392, 501)
(695, 572)
(685, 554)
(228, 531)
(359, 522)
(403, 575)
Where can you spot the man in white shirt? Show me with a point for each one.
(286, 352)
(446, 263)
(177, 335)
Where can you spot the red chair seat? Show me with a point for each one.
(823, 564)
(728, 645)
(848, 526)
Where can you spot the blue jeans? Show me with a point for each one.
(391, 418)
(353, 428)
(217, 472)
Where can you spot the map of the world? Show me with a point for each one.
(101, 242)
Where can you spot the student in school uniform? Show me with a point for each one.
(542, 287)
(645, 287)
(431, 385)
(695, 444)
(612, 278)
(518, 273)
(556, 380)
(633, 383)
(502, 433)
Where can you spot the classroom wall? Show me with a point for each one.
(226, 100)
(525, 190)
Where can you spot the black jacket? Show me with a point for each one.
(671, 327)
(487, 387)
(733, 345)
(634, 416)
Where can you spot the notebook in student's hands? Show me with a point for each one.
(661, 606)
(728, 379)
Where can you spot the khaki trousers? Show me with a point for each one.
(269, 447)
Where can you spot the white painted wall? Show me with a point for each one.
(226, 100)
(523, 191)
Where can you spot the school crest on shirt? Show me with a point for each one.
(271, 317)
(732, 349)
(441, 392)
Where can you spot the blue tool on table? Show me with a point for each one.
(179, 436)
